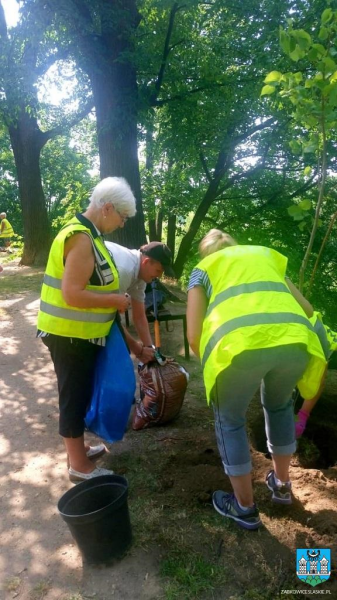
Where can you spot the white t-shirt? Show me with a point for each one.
(128, 265)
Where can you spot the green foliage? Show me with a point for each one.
(311, 96)
(9, 198)
(201, 110)
(65, 166)
(311, 92)
(75, 200)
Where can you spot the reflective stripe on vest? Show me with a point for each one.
(55, 315)
(251, 307)
(247, 288)
(75, 315)
(249, 321)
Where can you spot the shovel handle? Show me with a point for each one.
(156, 334)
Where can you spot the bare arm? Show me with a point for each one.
(140, 351)
(303, 302)
(79, 266)
(195, 314)
(140, 321)
(142, 326)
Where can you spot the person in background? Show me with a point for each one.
(6, 232)
(328, 339)
(136, 268)
(79, 301)
(248, 324)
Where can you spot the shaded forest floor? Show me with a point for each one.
(182, 548)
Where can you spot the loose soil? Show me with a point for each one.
(182, 548)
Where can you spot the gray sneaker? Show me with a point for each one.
(281, 493)
(75, 476)
(96, 451)
(227, 506)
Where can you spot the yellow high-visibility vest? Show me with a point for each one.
(251, 307)
(329, 341)
(55, 315)
(6, 229)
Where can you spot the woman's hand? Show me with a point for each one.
(146, 355)
(121, 302)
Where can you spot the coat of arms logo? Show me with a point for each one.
(313, 566)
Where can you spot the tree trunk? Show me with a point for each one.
(114, 86)
(27, 143)
(117, 143)
(152, 230)
(171, 232)
(103, 32)
(188, 238)
(159, 224)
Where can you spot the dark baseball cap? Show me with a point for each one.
(161, 253)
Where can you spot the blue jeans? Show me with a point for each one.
(277, 370)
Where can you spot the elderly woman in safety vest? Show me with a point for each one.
(79, 301)
(249, 325)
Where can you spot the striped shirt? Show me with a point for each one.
(102, 273)
(199, 277)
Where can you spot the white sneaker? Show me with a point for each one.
(96, 451)
(77, 476)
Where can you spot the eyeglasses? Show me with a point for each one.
(124, 219)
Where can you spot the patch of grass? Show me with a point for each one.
(143, 469)
(146, 517)
(21, 282)
(190, 575)
(12, 584)
(40, 590)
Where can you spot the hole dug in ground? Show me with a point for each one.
(317, 448)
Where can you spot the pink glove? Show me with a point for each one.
(301, 422)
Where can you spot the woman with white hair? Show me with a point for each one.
(249, 324)
(79, 302)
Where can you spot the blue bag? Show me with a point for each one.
(114, 389)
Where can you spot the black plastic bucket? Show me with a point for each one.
(96, 512)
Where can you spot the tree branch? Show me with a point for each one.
(204, 164)
(62, 127)
(244, 136)
(166, 52)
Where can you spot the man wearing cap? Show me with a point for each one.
(136, 268)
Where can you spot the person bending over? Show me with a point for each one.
(136, 268)
(250, 326)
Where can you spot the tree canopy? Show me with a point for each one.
(173, 94)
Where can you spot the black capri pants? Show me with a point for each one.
(74, 363)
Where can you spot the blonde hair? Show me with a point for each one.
(215, 240)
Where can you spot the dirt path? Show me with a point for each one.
(172, 472)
